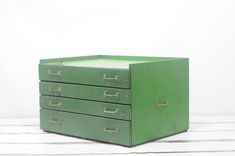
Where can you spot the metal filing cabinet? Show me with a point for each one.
(124, 100)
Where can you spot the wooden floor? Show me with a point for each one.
(207, 136)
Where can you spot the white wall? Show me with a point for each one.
(203, 30)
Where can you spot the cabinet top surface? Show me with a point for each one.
(102, 61)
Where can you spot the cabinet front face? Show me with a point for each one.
(104, 109)
(86, 92)
(91, 127)
(84, 75)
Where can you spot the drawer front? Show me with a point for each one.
(83, 75)
(91, 127)
(86, 92)
(86, 107)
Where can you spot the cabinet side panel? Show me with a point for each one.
(160, 99)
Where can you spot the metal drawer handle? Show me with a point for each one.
(110, 78)
(110, 112)
(59, 104)
(58, 90)
(163, 104)
(58, 73)
(55, 121)
(111, 95)
(109, 130)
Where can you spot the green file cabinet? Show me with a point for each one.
(126, 100)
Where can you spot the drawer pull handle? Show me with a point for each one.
(59, 104)
(58, 73)
(110, 78)
(111, 95)
(163, 104)
(109, 130)
(58, 90)
(55, 121)
(110, 112)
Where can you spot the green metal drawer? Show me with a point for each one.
(86, 107)
(86, 92)
(85, 126)
(69, 71)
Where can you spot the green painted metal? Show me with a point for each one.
(104, 109)
(160, 98)
(86, 126)
(86, 92)
(151, 95)
(90, 70)
(84, 75)
(108, 57)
